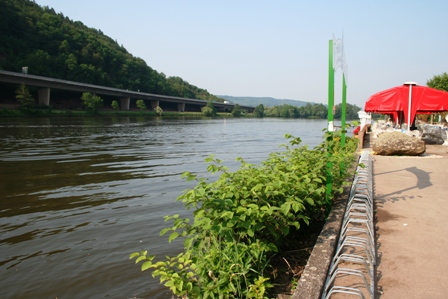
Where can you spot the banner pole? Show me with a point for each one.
(409, 107)
(344, 109)
(329, 182)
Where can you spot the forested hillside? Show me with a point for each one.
(52, 45)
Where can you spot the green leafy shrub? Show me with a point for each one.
(141, 105)
(241, 219)
(91, 102)
(25, 99)
(209, 109)
(259, 110)
(115, 105)
(237, 111)
(159, 111)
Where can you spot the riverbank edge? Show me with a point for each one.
(81, 113)
(312, 280)
(7, 112)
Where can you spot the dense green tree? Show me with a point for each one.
(271, 111)
(351, 111)
(290, 111)
(286, 111)
(439, 82)
(313, 111)
(319, 111)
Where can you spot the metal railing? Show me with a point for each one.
(352, 270)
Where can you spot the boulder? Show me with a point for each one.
(397, 143)
(433, 134)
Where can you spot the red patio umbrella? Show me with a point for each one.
(408, 99)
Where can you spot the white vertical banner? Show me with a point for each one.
(339, 56)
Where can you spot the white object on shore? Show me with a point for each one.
(365, 118)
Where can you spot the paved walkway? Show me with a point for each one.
(411, 196)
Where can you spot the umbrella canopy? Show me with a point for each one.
(395, 101)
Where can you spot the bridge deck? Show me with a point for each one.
(46, 82)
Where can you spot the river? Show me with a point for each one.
(78, 195)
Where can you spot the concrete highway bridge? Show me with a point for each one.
(45, 84)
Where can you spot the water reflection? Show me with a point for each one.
(78, 195)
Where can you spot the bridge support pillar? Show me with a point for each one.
(181, 107)
(124, 103)
(44, 96)
(154, 105)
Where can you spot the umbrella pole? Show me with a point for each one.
(409, 108)
(410, 103)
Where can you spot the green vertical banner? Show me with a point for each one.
(330, 87)
(344, 109)
(342, 167)
(329, 183)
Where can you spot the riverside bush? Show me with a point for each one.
(241, 219)
(91, 102)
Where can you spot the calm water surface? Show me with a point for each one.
(79, 195)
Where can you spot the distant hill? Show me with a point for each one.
(52, 45)
(266, 101)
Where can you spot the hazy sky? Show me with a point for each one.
(276, 48)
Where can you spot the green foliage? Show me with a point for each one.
(351, 111)
(339, 158)
(237, 111)
(115, 105)
(141, 105)
(439, 82)
(91, 102)
(318, 111)
(53, 45)
(313, 111)
(182, 88)
(289, 111)
(24, 98)
(265, 101)
(242, 218)
(209, 109)
(285, 110)
(259, 110)
(159, 111)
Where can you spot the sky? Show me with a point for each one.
(276, 48)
